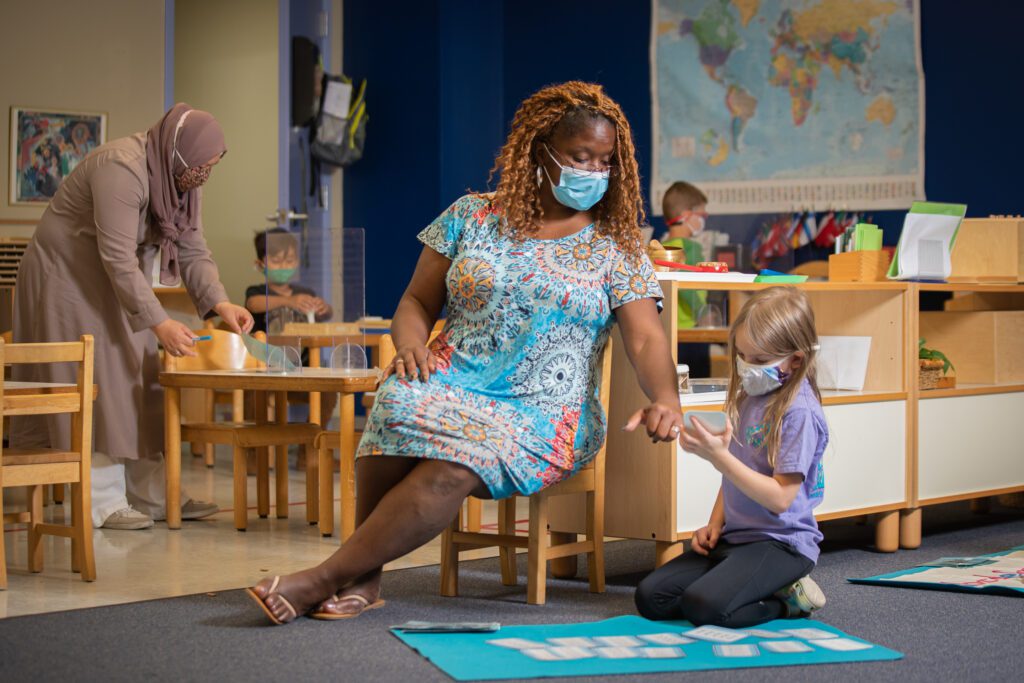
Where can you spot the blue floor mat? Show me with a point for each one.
(999, 573)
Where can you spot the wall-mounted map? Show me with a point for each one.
(778, 105)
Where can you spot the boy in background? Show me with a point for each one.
(684, 208)
(277, 255)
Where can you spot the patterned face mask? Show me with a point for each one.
(191, 178)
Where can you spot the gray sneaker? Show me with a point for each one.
(127, 519)
(194, 509)
(801, 597)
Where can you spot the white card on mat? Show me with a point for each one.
(736, 650)
(841, 644)
(617, 652)
(517, 643)
(578, 641)
(541, 653)
(618, 641)
(567, 652)
(666, 639)
(662, 652)
(786, 646)
(716, 634)
(764, 633)
(809, 633)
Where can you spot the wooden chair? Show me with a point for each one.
(589, 480)
(329, 441)
(36, 468)
(226, 351)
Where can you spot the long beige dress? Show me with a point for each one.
(87, 272)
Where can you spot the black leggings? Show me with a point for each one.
(731, 586)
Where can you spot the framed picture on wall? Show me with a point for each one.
(46, 145)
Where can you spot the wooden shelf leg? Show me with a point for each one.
(887, 531)
(910, 528)
(665, 551)
(563, 567)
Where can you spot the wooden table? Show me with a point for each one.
(317, 380)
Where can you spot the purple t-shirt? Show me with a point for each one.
(804, 437)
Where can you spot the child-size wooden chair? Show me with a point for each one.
(226, 351)
(35, 468)
(589, 481)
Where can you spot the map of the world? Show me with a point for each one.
(781, 105)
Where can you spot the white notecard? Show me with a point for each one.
(736, 650)
(517, 643)
(809, 633)
(841, 644)
(577, 641)
(662, 652)
(786, 646)
(617, 652)
(618, 641)
(716, 634)
(763, 633)
(567, 652)
(666, 639)
(542, 654)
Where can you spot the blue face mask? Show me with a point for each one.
(577, 189)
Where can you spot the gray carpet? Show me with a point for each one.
(224, 637)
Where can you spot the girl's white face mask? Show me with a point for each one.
(759, 380)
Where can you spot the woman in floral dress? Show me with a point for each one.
(505, 400)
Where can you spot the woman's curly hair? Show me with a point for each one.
(619, 213)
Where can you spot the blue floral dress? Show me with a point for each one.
(515, 395)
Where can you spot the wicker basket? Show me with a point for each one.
(929, 374)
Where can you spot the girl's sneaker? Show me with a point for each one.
(801, 597)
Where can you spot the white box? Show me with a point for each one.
(843, 362)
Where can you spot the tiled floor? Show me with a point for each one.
(205, 555)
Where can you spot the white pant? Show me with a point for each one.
(118, 482)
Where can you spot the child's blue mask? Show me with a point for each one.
(577, 189)
(280, 276)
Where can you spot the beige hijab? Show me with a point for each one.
(197, 139)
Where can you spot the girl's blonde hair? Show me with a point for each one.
(779, 322)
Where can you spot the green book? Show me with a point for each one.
(867, 237)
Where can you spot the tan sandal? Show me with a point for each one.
(326, 615)
(266, 610)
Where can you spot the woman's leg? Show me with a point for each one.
(658, 595)
(411, 513)
(739, 589)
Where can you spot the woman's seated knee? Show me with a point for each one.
(448, 477)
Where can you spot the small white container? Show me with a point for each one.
(683, 378)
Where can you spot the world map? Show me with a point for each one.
(782, 104)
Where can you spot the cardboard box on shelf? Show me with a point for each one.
(985, 347)
(989, 250)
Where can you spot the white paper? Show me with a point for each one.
(566, 653)
(578, 641)
(843, 362)
(762, 633)
(662, 652)
(736, 650)
(786, 646)
(517, 643)
(925, 246)
(337, 99)
(618, 641)
(666, 639)
(542, 654)
(841, 644)
(617, 652)
(693, 276)
(809, 633)
(716, 634)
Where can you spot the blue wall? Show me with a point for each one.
(445, 78)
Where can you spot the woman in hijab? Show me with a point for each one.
(87, 271)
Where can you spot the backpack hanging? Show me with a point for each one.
(340, 131)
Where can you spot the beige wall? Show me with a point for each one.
(94, 55)
(226, 62)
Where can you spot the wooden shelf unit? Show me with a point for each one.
(657, 492)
